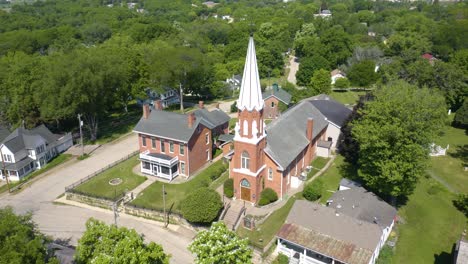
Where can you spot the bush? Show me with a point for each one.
(342, 83)
(461, 203)
(234, 107)
(229, 188)
(201, 206)
(217, 172)
(313, 190)
(281, 259)
(267, 196)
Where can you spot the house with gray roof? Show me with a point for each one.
(314, 233)
(173, 144)
(274, 96)
(24, 151)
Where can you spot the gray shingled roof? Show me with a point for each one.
(175, 126)
(23, 138)
(349, 183)
(18, 165)
(334, 111)
(279, 93)
(226, 137)
(319, 228)
(363, 205)
(324, 144)
(286, 136)
(214, 118)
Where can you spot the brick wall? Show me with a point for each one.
(268, 111)
(198, 148)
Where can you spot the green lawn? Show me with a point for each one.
(432, 225)
(99, 186)
(331, 178)
(232, 123)
(317, 164)
(348, 97)
(52, 163)
(218, 182)
(151, 197)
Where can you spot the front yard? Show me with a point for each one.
(99, 185)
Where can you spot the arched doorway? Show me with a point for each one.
(245, 190)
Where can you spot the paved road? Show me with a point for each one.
(293, 68)
(67, 222)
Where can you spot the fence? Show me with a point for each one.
(70, 188)
(154, 214)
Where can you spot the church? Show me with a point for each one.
(278, 156)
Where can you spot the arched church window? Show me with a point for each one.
(245, 160)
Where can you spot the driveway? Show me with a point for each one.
(68, 222)
(293, 68)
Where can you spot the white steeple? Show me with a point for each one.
(250, 93)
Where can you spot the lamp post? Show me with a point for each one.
(81, 134)
(4, 169)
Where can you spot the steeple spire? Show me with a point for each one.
(250, 97)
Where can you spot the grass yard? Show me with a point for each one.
(432, 226)
(232, 123)
(347, 97)
(62, 158)
(331, 178)
(99, 186)
(151, 197)
(265, 232)
(317, 164)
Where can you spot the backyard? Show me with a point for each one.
(151, 197)
(347, 97)
(99, 185)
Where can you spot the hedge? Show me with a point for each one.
(313, 190)
(201, 206)
(229, 188)
(267, 196)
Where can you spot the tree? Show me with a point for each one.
(20, 240)
(320, 82)
(342, 83)
(461, 116)
(103, 243)
(201, 206)
(394, 136)
(220, 245)
(267, 196)
(313, 190)
(363, 73)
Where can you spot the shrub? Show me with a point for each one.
(229, 188)
(217, 172)
(281, 259)
(201, 206)
(313, 190)
(342, 83)
(234, 107)
(461, 203)
(267, 196)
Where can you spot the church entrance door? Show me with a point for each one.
(245, 190)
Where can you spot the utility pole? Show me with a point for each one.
(81, 134)
(4, 172)
(164, 205)
(114, 208)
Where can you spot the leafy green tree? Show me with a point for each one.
(267, 196)
(307, 67)
(313, 190)
(220, 245)
(342, 83)
(103, 243)
(394, 135)
(320, 82)
(201, 206)
(461, 116)
(363, 73)
(461, 203)
(20, 240)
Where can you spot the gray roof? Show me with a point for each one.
(349, 183)
(462, 252)
(334, 111)
(319, 228)
(23, 138)
(18, 165)
(226, 137)
(324, 144)
(363, 206)
(279, 93)
(160, 156)
(286, 136)
(214, 118)
(4, 132)
(175, 126)
(45, 133)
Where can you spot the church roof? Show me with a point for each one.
(250, 97)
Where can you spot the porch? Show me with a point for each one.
(159, 165)
(301, 255)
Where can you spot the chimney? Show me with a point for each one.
(190, 120)
(146, 111)
(310, 127)
(217, 105)
(157, 105)
(201, 104)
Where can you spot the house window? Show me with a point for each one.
(272, 104)
(245, 159)
(153, 143)
(163, 149)
(182, 168)
(146, 165)
(143, 141)
(207, 154)
(330, 139)
(6, 158)
(182, 149)
(171, 147)
(207, 138)
(270, 174)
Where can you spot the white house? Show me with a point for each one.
(335, 75)
(167, 96)
(235, 81)
(24, 151)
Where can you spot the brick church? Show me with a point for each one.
(277, 155)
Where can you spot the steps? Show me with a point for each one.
(232, 215)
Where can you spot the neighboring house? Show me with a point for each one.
(461, 251)
(336, 74)
(317, 234)
(272, 98)
(274, 156)
(326, 14)
(167, 96)
(173, 144)
(210, 4)
(429, 57)
(25, 151)
(363, 205)
(235, 81)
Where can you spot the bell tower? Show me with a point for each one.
(247, 163)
